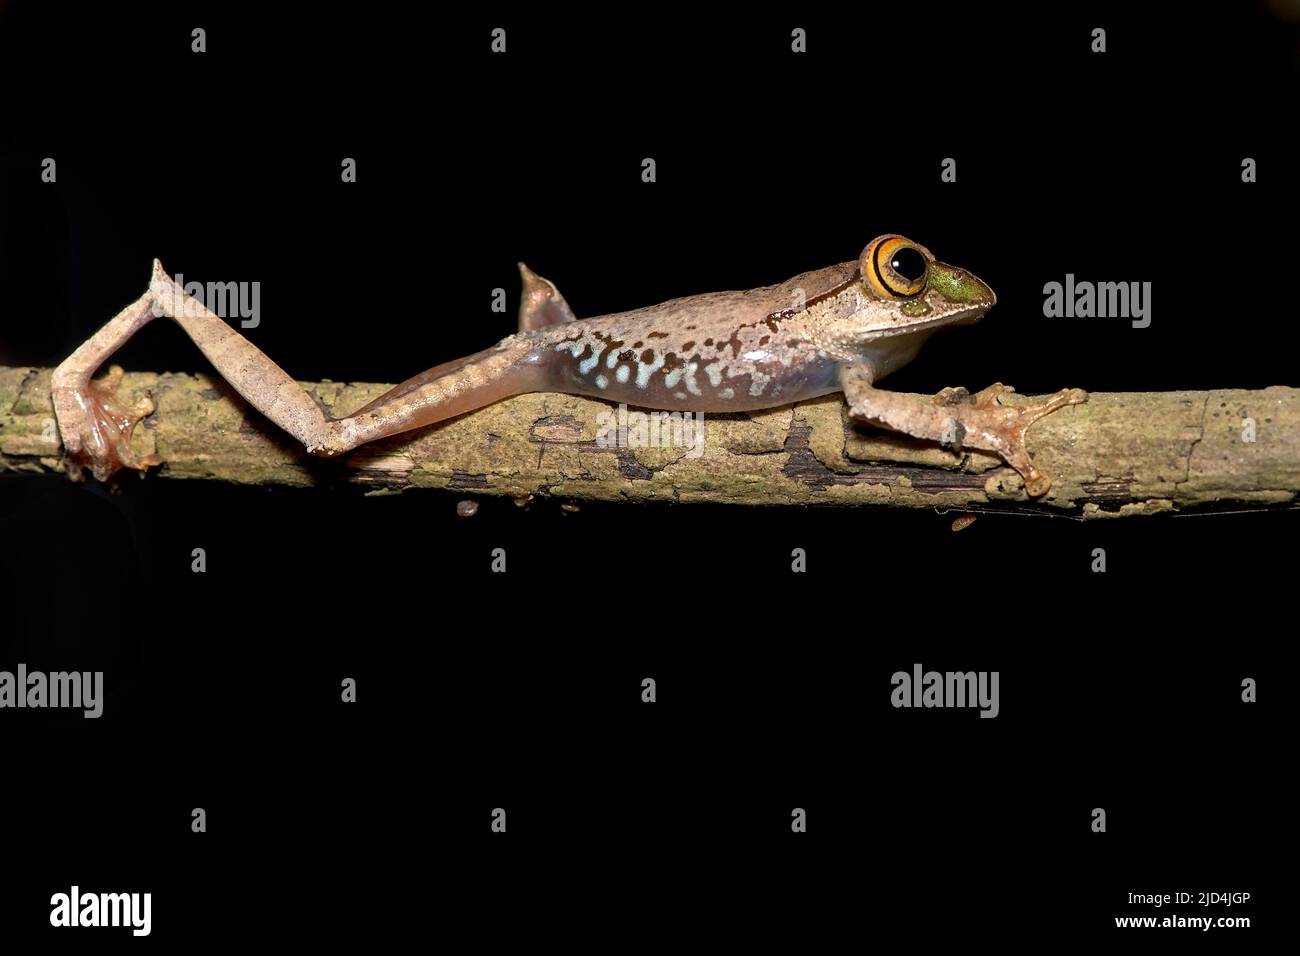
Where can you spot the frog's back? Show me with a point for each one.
(722, 312)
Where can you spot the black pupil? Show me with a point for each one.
(908, 263)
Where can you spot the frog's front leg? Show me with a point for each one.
(957, 419)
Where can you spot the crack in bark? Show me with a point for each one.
(22, 389)
(1205, 409)
(1109, 489)
(802, 465)
(461, 480)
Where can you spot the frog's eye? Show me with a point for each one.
(894, 267)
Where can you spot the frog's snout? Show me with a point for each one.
(961, 287)
(975, 290)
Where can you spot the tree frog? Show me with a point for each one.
(842, 328)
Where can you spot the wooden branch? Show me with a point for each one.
(1120, 454)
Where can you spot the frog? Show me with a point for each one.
(842, 328)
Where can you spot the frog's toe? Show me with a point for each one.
(988, 397)
(984, 398)
(953, 395)
(1037, 484)
(1066, 396)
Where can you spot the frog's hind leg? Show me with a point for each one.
(442, 392)
(541, 303)
(464, 384)
(96, 427)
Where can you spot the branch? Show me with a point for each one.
(1122, 453)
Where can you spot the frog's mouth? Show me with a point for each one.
(966, 316)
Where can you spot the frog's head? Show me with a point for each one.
(904, 289)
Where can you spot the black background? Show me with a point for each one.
(627, 822)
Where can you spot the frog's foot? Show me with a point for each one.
(980, 422)
(97, 427)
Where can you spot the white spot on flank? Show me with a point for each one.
(679, 394)
(643, 371)
(586, 365)
(758, 383)
(727, 393)
(691, 385)
(714, 372)
(623, 373)
(573, 347)
(601, 381)
(673, 377)
(612, 360)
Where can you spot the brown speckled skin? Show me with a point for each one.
(718, 352)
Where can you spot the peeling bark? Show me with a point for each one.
(1121, 454)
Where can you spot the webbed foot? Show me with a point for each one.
(96, 427)
(983, 423)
